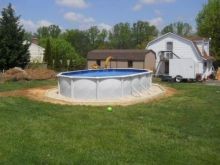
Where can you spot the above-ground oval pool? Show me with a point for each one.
(104, 83)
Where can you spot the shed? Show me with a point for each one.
(123, 58)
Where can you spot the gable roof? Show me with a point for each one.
(190, 40)
(205, 56)
(37, 46)
(169, 34)
(31, 43)
(119, 54)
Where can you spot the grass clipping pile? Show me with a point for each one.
(17, 74)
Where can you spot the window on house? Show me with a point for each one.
(98, 62)
(170, 46)
(205, 64)
(130, 64)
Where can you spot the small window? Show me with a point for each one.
(98, 62)
(170, 46)
(130, 64)
(205, 64)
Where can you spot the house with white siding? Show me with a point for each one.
(36, 53)
(175, 53)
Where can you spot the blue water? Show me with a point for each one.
(103, 73)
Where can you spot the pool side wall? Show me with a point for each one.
(102, 88)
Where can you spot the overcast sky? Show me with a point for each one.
(81, 14)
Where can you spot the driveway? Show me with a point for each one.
(212, 82)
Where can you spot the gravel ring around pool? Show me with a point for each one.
(49, 94)
(155, 91)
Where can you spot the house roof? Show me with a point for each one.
(191, 39)
(33, 44)
(205, 56)
(119, 54)
(38, 46)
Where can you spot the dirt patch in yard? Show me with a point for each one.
(170, 91)
(30, 93)
(40, 94)
(17, 74)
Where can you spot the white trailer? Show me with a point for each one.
(182, 69)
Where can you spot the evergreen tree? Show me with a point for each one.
(57, 63)
(13, 49)
(64, 63)
(50, 62)
(47, 54)
(71, 65)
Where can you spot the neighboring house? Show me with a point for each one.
(36, 53)
(122, 58)
(171, 46)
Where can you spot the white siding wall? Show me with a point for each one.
(36, 53)
(200, 67)
(182, 48)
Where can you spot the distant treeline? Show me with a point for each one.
(68, 49)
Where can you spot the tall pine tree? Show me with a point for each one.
(13, 49)
(48, 54)
(71, 65)
(57, 64)
(64, 63)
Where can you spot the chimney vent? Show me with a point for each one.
(35, 41)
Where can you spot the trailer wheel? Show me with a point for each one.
(178, 79)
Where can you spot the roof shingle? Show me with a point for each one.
(119, 54)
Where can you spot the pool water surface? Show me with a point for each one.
(103, 73)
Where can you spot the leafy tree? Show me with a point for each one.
(180, 28)
(96, 37)
(167, 29)
(42, 32)
(142, 33)
(13, 50)
(52, 31)
(79, 40)
(120, 37)
(61, 50)
(102, 40)
(102, 37)
(208, 24)
(124, 36)
(93, 33)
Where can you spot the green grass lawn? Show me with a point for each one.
(183, 129)
(10, 85)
